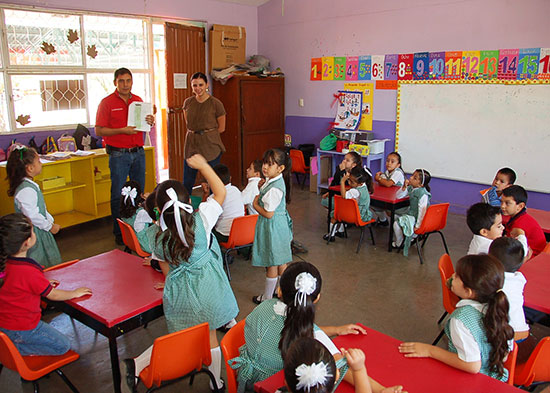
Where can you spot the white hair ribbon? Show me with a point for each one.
(129, 192)
(305, 285)
(423, 177)
(367, 170)
(177, 206)
(311, 375)
(20, 147)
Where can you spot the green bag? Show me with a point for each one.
(328, 142)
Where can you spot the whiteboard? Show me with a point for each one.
(467, 131)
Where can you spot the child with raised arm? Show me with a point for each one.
(393, 176)
(23, 165)
(22, 284)
(478, 330)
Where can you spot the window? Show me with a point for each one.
(58, 66)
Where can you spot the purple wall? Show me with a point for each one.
(316, 28)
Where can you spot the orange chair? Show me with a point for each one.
(299, 165)
(241, 236)
(347, 211)
(547, 248)
(32, 368)
(450, 300)
(178, 355)
(434, 221)
(537, 368)
(130, 239)
(230, 344)
(510, 364)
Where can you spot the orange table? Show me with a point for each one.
(543, 218)
(123, 296)
(389, 367)
(537, 290)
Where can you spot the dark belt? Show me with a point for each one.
(135, 149)
(201, 132)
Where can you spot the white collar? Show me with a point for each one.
(474, 303)
(279, 308)
(273, 179)
(254, 179)
(481, 239)
(228, 185)
(31, 181)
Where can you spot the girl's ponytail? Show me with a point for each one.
(498, 329)
(15, 228)
(16, 166)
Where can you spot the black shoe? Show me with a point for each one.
(258, 299)
(384, 223)
(219, 390)
(329, 238)
(128, 374)
(223, 329)
(118, 240)
(340, 234)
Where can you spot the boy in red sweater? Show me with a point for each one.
(513, 202)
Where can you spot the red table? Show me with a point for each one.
(537, 290)
(123, 297)
(543, 218)
(389, 367)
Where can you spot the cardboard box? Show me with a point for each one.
(324, 171)
(227, 46)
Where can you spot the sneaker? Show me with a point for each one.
(329, 238)
(380, 223)
(128, 376)
(258, 299)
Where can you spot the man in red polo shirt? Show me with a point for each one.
(123, 143)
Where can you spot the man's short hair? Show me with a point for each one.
(481, 216)
(509, 172)
(517, 192)
(509, 252)
(223, 173)
(122, 71)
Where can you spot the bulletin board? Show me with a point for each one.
(467, 130)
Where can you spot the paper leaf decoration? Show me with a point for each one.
(72, 36)
(92, 51)
(48, 48)
(23, 120)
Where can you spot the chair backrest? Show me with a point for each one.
(537, 367)
(230, 344)
(298, 162)
(547, 248)
(242, 231)
(484, 191)
(61, 265)
(130, 239)
(347, 210)
(11, 358)
(435, 218)
(177, 354)
(510, 364)
(446, 270)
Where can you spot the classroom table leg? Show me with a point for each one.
(113, 349)
(392, 218)
(328, 213)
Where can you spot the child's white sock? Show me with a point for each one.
(330, 228)
(216, 366)
(231, 323)
(270, 285)
(341, 228)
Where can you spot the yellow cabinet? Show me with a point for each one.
(86, 194)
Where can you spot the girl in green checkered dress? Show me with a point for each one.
(132, 213)
(478, 330)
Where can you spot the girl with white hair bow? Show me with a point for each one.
(133, 214)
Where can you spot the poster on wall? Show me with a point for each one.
(390, 67)
(328, 68)
(366, 107)
(453, 61)
(421, 68)
(437, 65)
(377, 67)
(339, 68)
(352, 65)
(316, 69)
(488, 64)
(405, 67)
(470, 64)
(508, 64)
(528, 63)
(544, 64)
(364, 68)
(348, 114)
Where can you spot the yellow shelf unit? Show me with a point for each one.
(84, 197)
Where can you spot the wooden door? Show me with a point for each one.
(185, 54)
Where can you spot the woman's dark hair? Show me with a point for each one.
(308, 351)
(127, 208)
(280, 157)
(15, 228)
(16, 168)
(199, 75)
(362, 176)
(484, 275)
(425, 178)
(172, 245)
(299, 317)
(150, 205)
(355, 157)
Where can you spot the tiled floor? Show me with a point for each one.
(385, 291)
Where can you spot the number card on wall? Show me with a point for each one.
(390, 67)
(316, 69)
(339, 68)
(378, 67)
(405, 66)
(328, 68)
(437, 65)
(544, 64)
(352, 63)
(348, 114)
(488, 64)
(508, 63)
(453, 67)
(421, 66)
(470, 64)
(366, 115)
(364, 68)
(528, 63)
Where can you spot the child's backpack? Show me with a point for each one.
(48, 146)
(84, 140)
(32, 143)
(66, 143)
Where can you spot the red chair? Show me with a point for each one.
(537, 368)
(178, 355)
(347, 211)
(434, 221)
(130, 239)
(510, 364)
(299, 165)
(446, 270)
(32, 368)
(241, 236)
(230, 344)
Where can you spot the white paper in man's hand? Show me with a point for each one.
(137, 112)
